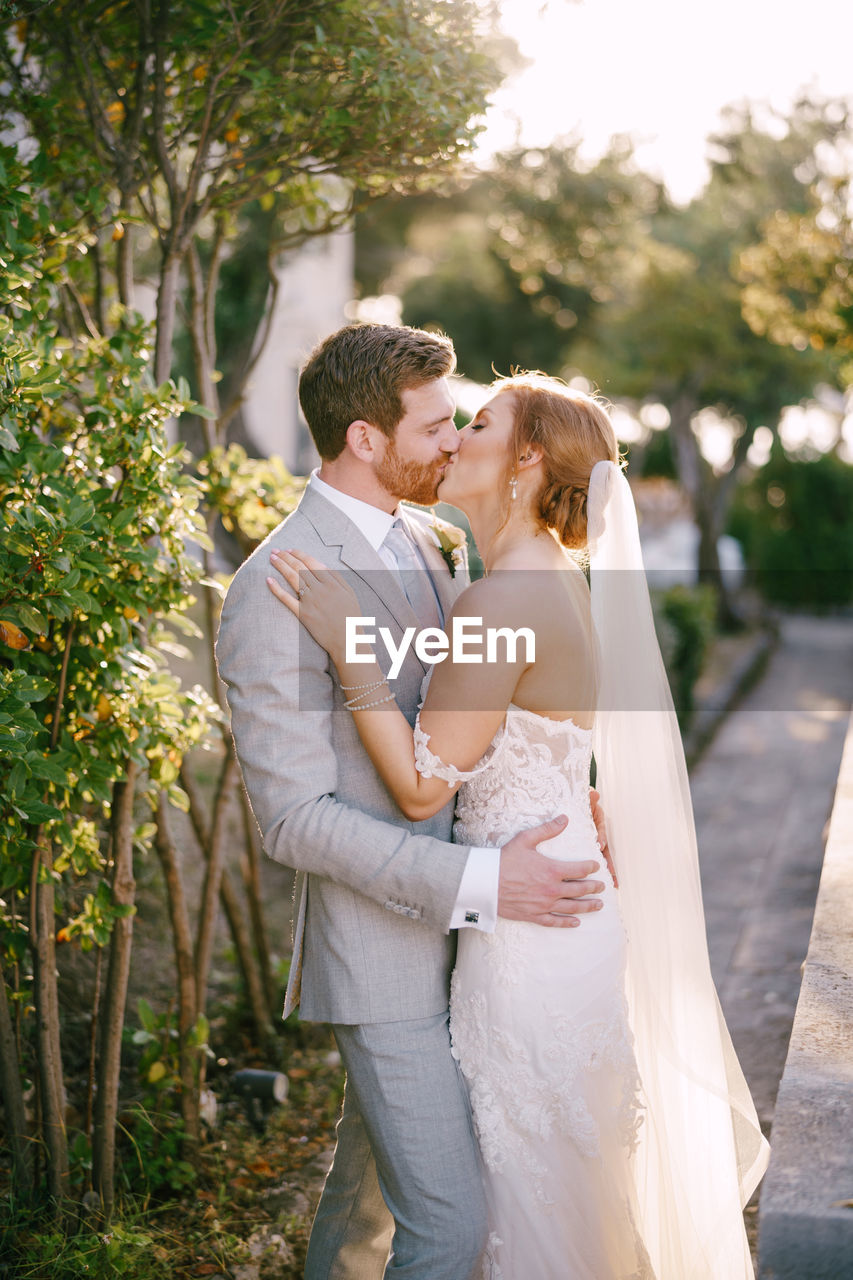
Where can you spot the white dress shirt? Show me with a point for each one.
(477, 900)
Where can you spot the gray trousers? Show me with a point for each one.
(406, 1174)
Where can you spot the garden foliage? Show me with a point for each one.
(96, 520)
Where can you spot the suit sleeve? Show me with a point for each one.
(281, 696)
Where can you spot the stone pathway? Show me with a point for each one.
(762, 794)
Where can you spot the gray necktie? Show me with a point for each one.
(414, 577)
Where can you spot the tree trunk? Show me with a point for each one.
(124, 266)
(215, 853)
(91, 1083)
(248, 964)
(686, 452)
(212, 602)
(710, 569)
(13, 1102)
(236, 923)
(250, 868)
(698, 481)
(51, 1085)
(202, 336)
(182, 941)
(167, 301)
(115, 993)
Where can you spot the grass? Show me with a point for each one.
(246, 1216)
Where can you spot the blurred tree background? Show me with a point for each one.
(724, 311)
(189, 146)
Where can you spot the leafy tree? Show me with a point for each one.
(548, 262)
(96, 511)
(183, 114)
(798, 275)
(676, 332)
(516, 262)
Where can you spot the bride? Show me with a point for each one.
(617, 1132)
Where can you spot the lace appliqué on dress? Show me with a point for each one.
(430, 765)
(518, 1104)
(492, 1269)
(539, 1020)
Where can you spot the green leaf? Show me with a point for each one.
(34, 688)
(179, 798)
(125, 518)
(200, 411)
(8, 438)
(201, 1031)
(8, 876)
(146, 1015)
(17, 779)
(38, 812)
(17, 545)
(31, 618)
(44, 767)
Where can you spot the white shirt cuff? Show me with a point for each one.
(477, 901)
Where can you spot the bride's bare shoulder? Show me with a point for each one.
(509, 598)
(489, 593)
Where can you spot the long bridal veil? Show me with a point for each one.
(701, 1152)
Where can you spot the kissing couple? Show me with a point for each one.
(540, 1084)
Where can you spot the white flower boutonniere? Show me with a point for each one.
(451, 543)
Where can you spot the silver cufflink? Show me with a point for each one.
(471, 917)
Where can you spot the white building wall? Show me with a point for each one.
(315, 286)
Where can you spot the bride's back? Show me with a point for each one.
(554, 604)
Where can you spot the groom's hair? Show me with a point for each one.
(360, 372)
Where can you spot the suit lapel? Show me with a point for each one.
(354, 551)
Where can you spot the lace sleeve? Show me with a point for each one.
(430, 765)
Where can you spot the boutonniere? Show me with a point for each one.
(450, 542)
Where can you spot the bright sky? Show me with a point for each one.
(661, 70)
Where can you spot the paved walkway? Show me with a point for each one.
(762, 794)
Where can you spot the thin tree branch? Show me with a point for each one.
(213, 878)
(262, 334)
(182, 942)
(82, 310)
(217, 254)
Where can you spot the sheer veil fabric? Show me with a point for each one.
(701, 1151)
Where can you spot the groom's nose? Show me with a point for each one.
(450, 439)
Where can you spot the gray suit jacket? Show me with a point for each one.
(374, 892)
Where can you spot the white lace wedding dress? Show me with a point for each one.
(539, 1023)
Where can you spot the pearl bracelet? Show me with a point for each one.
(366, 690)
(347, 688)
(366, 705)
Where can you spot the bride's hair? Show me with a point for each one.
(574, 431)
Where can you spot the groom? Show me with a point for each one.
(378, 896)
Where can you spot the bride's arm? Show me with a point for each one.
(465, 704)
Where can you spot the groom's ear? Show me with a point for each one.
(361, 439)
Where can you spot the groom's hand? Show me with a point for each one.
(541, 890)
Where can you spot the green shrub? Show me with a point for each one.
(685, 617)
(795, 522)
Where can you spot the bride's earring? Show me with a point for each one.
(513, 489)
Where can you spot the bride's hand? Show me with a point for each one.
(601, 828)
(319, 597)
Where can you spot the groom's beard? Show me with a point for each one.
(415, 481)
